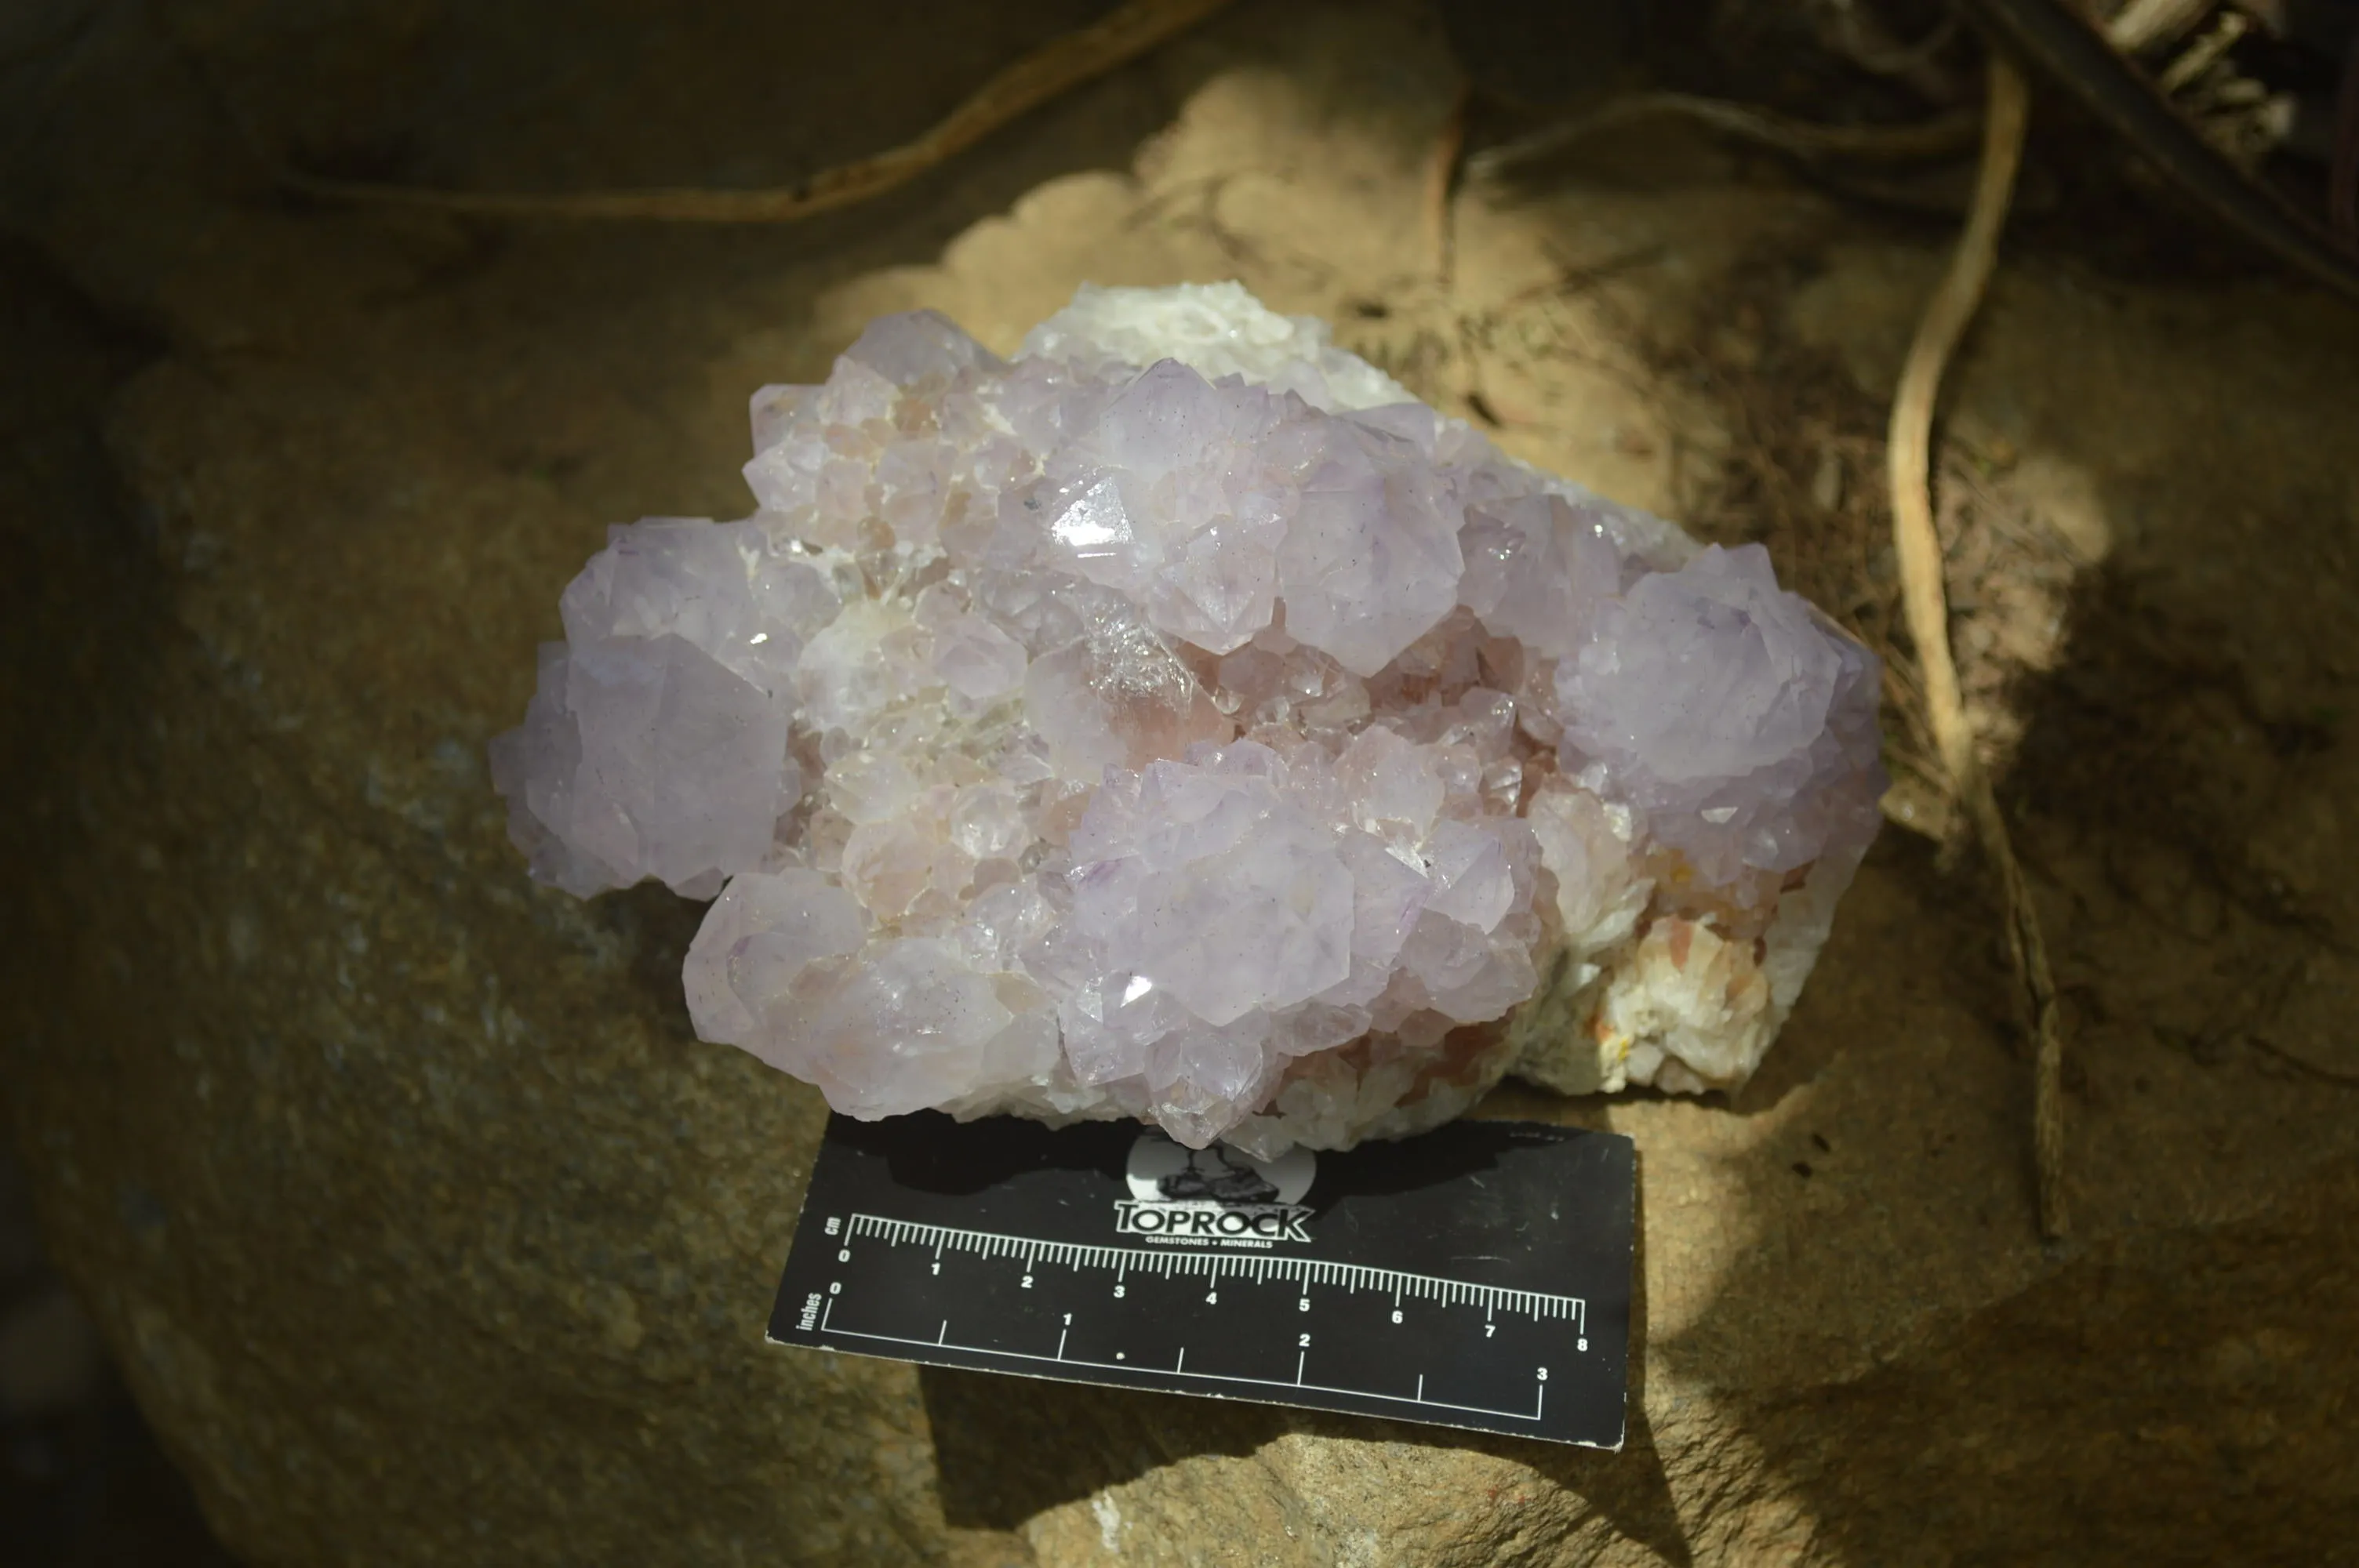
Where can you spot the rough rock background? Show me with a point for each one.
(424, 1231)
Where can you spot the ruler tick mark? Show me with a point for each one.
(1060, 1340)
(1307, 1271)
(943, 1337)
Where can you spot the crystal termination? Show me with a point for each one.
(1182, 722)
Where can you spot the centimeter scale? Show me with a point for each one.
(1475, 1276)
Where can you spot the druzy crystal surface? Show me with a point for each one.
(1180, 721)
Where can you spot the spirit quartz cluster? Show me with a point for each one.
(1180, 721)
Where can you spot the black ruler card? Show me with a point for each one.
(1475, 1276)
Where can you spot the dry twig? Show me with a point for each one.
(1801, 138)
(1441, 181)
(1919, 550)
(1054, 68)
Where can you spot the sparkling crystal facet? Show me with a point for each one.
(1179, 722)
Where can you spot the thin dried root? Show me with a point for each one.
(1897, 144)
(1054, 68)
(1440, 181)
(1909, 455)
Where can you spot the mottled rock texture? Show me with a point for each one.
(426, 1232)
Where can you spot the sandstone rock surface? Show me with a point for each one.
(425, 1230)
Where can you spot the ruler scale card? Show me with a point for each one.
(1475, 1276)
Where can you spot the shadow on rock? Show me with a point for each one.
(1922, 1379)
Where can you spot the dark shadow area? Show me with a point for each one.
(2169, 1399)
(928, 1153)
(655, 926)
(90, 1488)
(987, 1154)
(83, 1481)
(1538, 58)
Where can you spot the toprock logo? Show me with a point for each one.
(1198, 1197)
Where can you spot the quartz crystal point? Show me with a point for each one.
(1180, 722)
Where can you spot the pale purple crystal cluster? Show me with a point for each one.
(1179, 722)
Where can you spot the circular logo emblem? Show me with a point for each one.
(1161, 1170)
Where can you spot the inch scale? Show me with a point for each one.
(1477, 1276)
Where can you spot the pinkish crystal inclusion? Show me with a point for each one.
(1179, 722)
